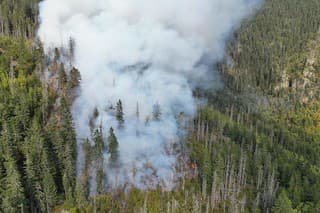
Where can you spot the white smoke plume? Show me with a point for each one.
(146, 53)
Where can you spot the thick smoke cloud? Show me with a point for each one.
(146, 53)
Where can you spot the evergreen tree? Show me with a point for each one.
(48, 184)
(99, 149)
(63, 78)
(32, 167)
(119, 114)
(113, 148)
(98, 141)
(82, 191)
(84, 179)
(283, 204)
(93, 118)
(100, 179)
(71, 49)
(13, 194)
(70, 155)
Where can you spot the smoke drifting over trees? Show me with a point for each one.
(139, 62)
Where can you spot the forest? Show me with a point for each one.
(254, 147)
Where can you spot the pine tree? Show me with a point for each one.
(62, 76)
(113, 148)
(48, 184)
(93, 118)
(13, 193)
(82, 191)
(70, 155)
(84, 180)
(99, 149)
(99, 143)
(119, 114)
(71, 49)
(33, 166)
(69, 175)
(100, 179)
(283, 204)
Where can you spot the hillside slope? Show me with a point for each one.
(254, 147)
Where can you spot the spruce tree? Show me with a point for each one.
(82, 191)
(48, 183)
(13, 193)
(98, 140)
(283, 204)
(119, 114)
(70, 154)
(71, 49)
(100, 179)
(113, 148)
(63, 78)
(34, 151)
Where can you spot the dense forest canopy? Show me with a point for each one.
(253, 148)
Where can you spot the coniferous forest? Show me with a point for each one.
(254, 147)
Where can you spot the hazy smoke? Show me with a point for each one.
(147, 53)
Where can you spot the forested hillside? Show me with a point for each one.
(253, 148)
(18, 18)
(37, 140)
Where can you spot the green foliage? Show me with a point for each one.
(63, 78)
(39, 169)
(271, 105)
(13, 194)
(267, 43)
(18, 18)
(262, 133)
(283, 204)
